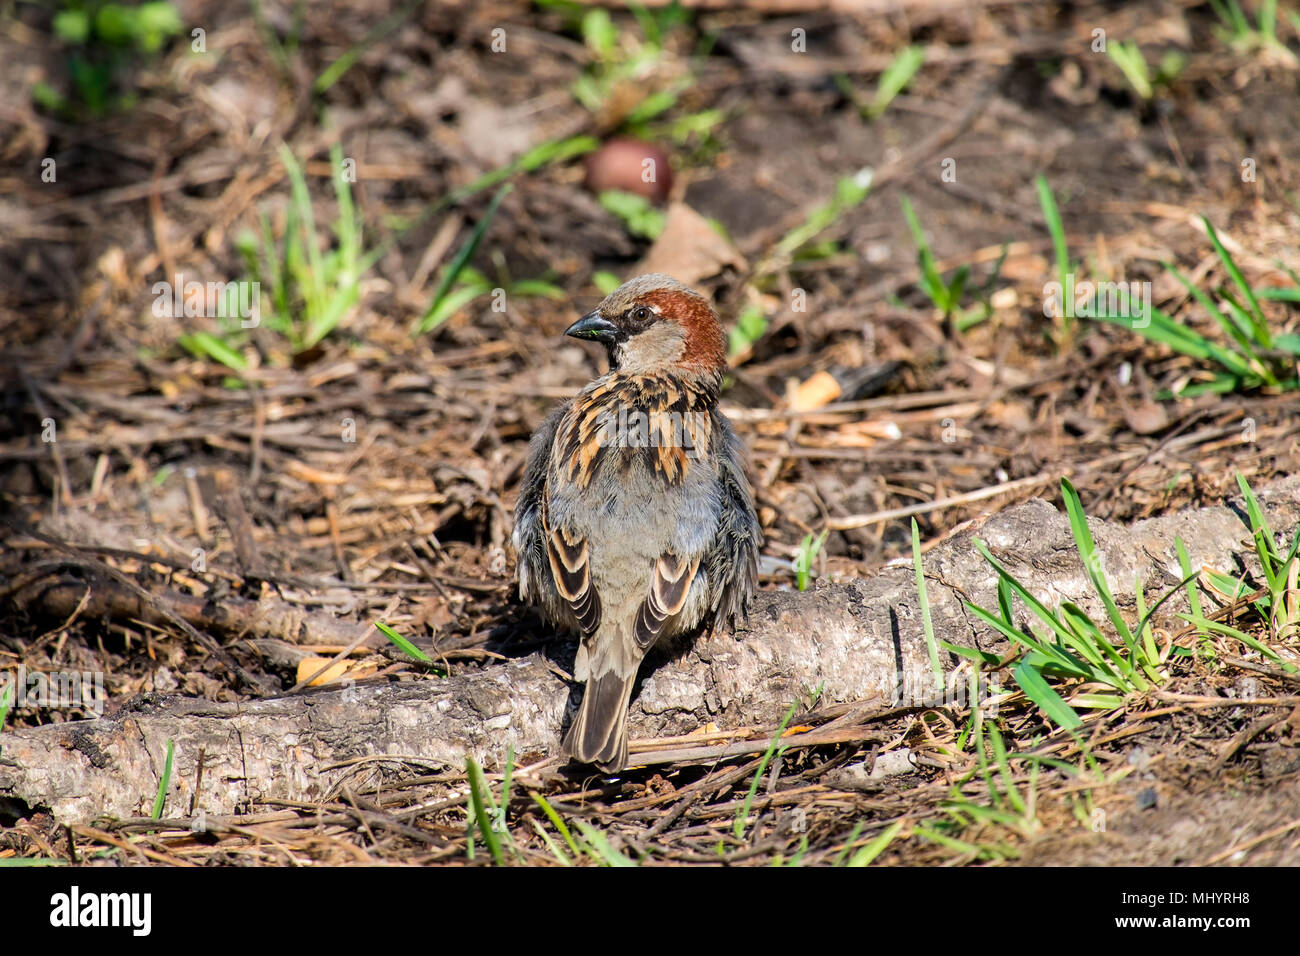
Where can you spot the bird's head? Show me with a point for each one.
(655, 323)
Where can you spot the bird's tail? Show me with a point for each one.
(599, 732)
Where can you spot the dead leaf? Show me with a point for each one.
(310, 665)
(820, 389)
(1013, 415)
(689, 249)
(1146, 418)
(1025, 268)
(434, 613)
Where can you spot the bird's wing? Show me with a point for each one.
(732, 561)
(531, 537)
(571, 572)
(668, 590)
(553, 568)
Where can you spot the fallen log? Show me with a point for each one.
(861, 641)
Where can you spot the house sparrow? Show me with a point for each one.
(635, 521)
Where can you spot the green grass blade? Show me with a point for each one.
(1047, 652)
(952, 843)
(1003, 764)
(1232, 329)
(452, 303)
(1252, 642)
(1091, 563)
(1005, 599)
(405, 646)
(932, 284)
(328, 313)
(551, 844)
(926, 623)
(1047, 700)
(164, 783)
(894, 80)
(1262, 534)
(1234, 588)
(557, 822)
(478, 797)
(600, 847)
(205, 345)
(1052, 215)
(742, 812)
(848, 845)
(1263, 336)
(334, 72)
(307, 219)
(849, 192)
(506, 779)
(537, 288)
(799, 854)
(1088, 640)
(1097, 701)
(1243, 321)
(1165, 331)
(1143, 630)
(1267, 19)
(877, 846)
(552, 151)
(1129, 58)
(453, 270)
(972, 653)
(1279, 294)
(1185, 563)
(1041, 611)
(22, 861)
(1240, 317)
(1085, 636)
(1009, 631)
(346, 227)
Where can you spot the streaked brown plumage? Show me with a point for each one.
(635, 521)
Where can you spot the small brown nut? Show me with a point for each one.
(631, 166)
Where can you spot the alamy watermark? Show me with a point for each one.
(1082, 299)
(634, 428)
(55, 690)
(918, 687)
(225, 300)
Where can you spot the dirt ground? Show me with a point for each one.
(372, 475)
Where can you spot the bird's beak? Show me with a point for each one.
(595, 327)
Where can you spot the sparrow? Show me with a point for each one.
(635, 521)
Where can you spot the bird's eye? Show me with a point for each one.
(641, 313)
